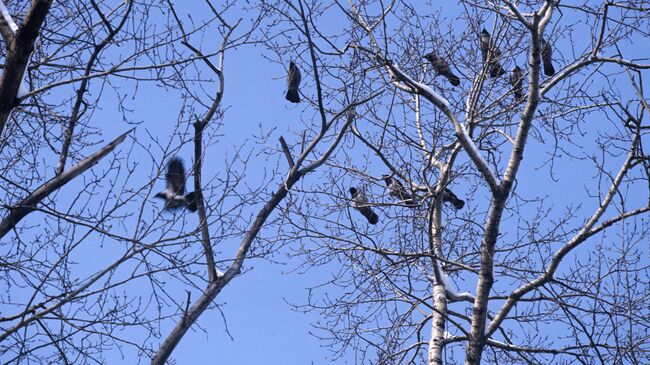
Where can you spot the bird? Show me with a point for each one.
(360, 203)
(442, 67)
(397, 190)
(547, 58)
(494, 53)
(449, 197)
(174, 195)
(517, 82)
(293, 83)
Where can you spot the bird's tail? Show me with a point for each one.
(292, 95)
(458, 203)
(190, 201)
(453, 79)
(549, 70)
(519, 95)
(449, 196)
(371, 216)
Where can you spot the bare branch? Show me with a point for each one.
(19, 211)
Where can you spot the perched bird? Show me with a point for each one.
(547, 58)
(491, 54)
(360, 203)
(442, 67)
(517, 82)
(397, 190)
(293, 83)
(174, 195)
(449, 197)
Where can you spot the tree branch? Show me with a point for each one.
(18, 54)
(19, 211)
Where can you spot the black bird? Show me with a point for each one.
(174, 195)
(397, 190)
(517, 82)
(360, 203)
(293, 83)
(442, 67)
(547, 58)
(494, 53)
(449, 197)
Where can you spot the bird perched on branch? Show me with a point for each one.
(491, 54)
(517, 82)
(397, 191)
(174, 195)
(293, 83)
(442, 67)
(547, 58)
(449, 197)
(360, 203)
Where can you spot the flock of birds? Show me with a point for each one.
(396, 190)
(492, 55)
(175, 197)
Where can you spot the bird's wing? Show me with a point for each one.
(294, 77)
(289, 75)
(361, 198)
(176, 176)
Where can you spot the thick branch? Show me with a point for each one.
(18, 212)
(295, 174)
(587, 231)
(442, 104)
(8, 27)
(18, 54)
(493, 223)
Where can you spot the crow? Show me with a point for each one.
(517, 82)
(442, 67)
(397, 190)
(360, 203)
(449, 197)
(494, 53)
(293, 83)
(174, 195)
(547, 58)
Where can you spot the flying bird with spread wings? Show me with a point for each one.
(174, 195)
(360, 203)
(398, 191)
(293, 83)
(442, 67)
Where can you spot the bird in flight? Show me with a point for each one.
(293, 83)
(397, 191)
(360, 203)
(174, 195)
(442, 67)
(491, 54)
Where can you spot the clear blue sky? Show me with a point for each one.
(263, 326)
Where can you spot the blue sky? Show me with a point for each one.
(263, 326)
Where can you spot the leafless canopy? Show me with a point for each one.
(548, 260)
(545, 261)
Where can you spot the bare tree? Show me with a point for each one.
(547, 262)
(92, 266)
(476, 254)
